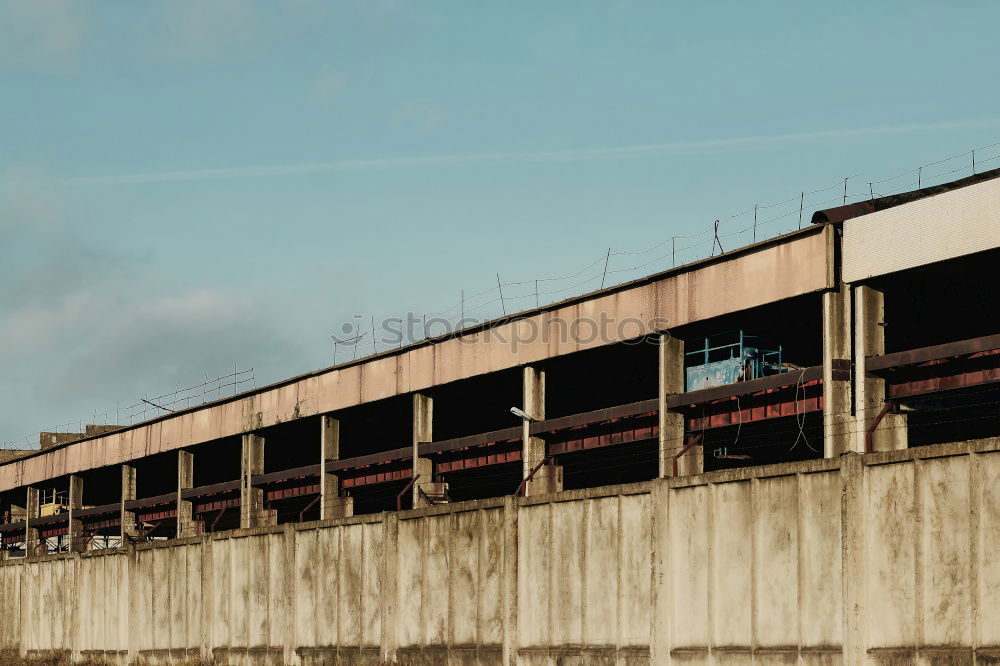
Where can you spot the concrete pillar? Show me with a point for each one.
(423, 419)
(252, 512)
(672, 382)
(549, 477)
(389, 579)
(32, 544)
(128, 529)
(854, 513)
(838, 419)
(331, 504)
(869, 391)
(187, 526)
(78, 541)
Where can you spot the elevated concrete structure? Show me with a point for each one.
(393, 509)
(797, 264)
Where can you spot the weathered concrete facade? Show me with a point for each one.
(882, 558)
(800, 263)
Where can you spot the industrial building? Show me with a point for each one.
(869, 333)
(805, 346)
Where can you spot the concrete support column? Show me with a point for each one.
(423, 419)
(389, 577)
(128, 529)
(78, 541)
(187, 526)
(33, 508)
(838, 419)
(672, 382)
(331, 504)
(869, 395)
(549, 477)
(854, 513)
(252, 512)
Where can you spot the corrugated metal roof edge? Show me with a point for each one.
(746, 249)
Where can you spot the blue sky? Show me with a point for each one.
(187, 184)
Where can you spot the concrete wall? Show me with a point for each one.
(801, 263)
(882, 559)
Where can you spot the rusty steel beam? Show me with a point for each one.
(285, 475)
(692, 441)
(46, 532)
(50, 520)
(404, 453)
(947, 376)
(100, 510)
(590, 418)
(205, 491)
(841, 371)
(374, 477)
(12, 527)
(93, 525)
(776, 403)
(876, 364)
(473, 461)
(628, 432)
(482, 439)
(146, 502)
(214, 505)
(291, 491)
(151, 515)
(402, 493)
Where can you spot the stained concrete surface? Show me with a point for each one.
(889, 558)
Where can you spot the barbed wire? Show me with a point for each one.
(147, 406)
(524, 295)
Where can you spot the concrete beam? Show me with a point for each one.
(78, 541)
(252, 512)
(128, 530)
(548, 478)
(671, 437)
(869, 390)
(838, 420)
(331, 503)
(186, 524)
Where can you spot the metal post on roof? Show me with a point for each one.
(503, 306)
(973, 162)
(920, 174)
(802, 200)
(606, 260)
(755, 223)
(845, 189)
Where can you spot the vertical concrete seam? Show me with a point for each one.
(975, 547)
(618, 572)
(754, 561)
(588, 510)
(710, 556)
(918, 552)
(799, 560)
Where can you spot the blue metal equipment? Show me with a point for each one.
(731, 360)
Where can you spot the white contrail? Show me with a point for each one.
(500, 159)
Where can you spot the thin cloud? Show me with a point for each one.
(506, 159)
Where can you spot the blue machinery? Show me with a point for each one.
(731, 362)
